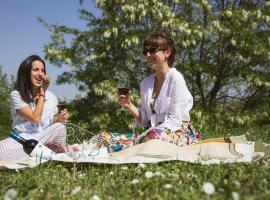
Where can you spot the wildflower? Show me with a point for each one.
(76, 190)
(208, 188)
(134, 181)
(149, 174)
(235, 196)
(167, 186)
(95, 197)
(10, 194)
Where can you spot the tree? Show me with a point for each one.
(6, 86)
(223, 53)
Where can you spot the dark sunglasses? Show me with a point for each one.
(151, 50)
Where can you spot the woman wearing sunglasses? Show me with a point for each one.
(165, 101)
(34, 110)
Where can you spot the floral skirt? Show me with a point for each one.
(186, 135)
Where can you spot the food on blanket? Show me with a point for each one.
(28, 145)
(55, 146)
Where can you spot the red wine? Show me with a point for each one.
(62, 106)
(123, 91)
(28, 145)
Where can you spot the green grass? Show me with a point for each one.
(56, 180)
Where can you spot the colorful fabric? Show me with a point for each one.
(115, 141)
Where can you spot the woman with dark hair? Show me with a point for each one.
(34, 110)
(165, 101)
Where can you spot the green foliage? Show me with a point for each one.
(223, 52)
(6, 86)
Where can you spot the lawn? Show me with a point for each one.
(167, 180)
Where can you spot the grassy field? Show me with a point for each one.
(168, 180)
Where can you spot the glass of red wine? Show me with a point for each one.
(123, 88)
(61, 106)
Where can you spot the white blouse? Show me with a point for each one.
(172, 105)
(22, 125)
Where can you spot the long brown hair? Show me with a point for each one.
(23, 83)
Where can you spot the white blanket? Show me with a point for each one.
(151, 152)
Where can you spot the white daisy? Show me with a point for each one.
(134, 181)
(149, 174)
(95, 197)
(10, 194)
(208, 188)
(167, 186)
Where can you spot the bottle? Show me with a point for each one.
(33, 147)
(28, 145)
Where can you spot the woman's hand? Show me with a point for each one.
(62, 116)
(46, 82)
(125, 100)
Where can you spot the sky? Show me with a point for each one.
(21, 35)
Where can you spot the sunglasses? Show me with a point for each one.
(151, 50)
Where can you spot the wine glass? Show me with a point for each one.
(124, 89)
(61, 106)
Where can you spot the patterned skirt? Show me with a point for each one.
(186, 135)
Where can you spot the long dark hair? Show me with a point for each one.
(163, 41)
(23, 83)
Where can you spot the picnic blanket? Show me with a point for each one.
(212, 151)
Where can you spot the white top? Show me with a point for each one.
(22, 125)
(172, 105)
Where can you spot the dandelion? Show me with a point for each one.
(235, 196)
(167, 186)
(141, 165)
(76, 190)
(208, 188)
(134, 181)
(149, 174)
(10, 194)
(95, 197)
